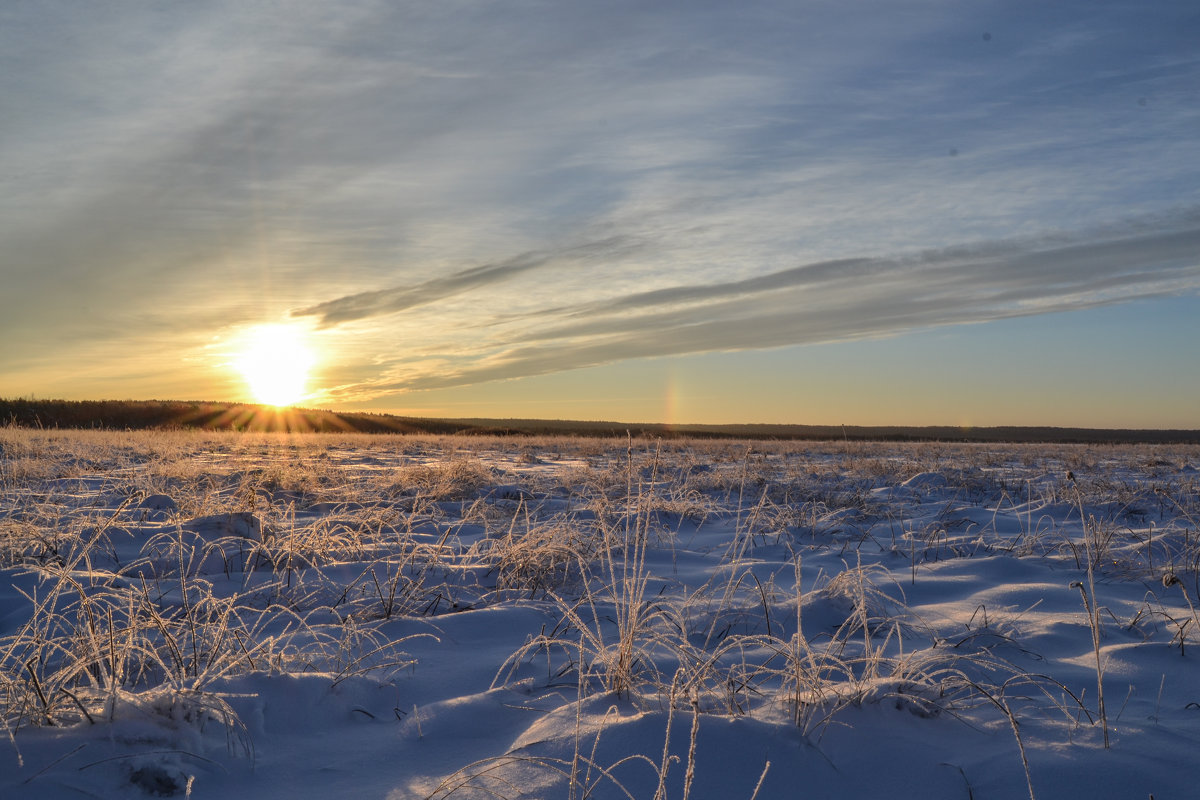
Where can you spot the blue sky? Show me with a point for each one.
(860, 213)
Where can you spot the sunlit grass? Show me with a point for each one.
(167, 564)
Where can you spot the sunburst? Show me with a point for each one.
(275, 362)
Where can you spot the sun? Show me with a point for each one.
(275, 362)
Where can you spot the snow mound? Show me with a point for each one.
(242, 524)
(157, 508)
(925, 481)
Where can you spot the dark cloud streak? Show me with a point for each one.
(851, 299)
(991, 275)
(389, 301)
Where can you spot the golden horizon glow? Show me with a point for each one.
(275, 362)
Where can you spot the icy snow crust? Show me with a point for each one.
(395, 617)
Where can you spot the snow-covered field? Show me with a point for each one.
(223, 615)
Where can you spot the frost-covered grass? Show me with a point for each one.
(404, 617)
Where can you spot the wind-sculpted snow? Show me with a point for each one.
(315, 616)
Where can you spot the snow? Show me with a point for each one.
(215, 615)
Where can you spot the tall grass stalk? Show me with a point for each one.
(1090, 541)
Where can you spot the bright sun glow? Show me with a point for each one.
(275, 362)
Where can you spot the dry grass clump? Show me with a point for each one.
(206, 597)
(94, 638)
(612, 634)
(455, 479)
(534, 560)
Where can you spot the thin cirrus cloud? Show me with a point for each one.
(813, 303)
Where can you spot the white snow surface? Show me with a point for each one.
(223, 616)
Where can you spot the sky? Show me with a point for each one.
(868, 213)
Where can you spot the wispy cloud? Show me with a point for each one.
(390, 301)
(997, 274)
(844, 299)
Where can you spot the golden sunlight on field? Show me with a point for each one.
(275, 361)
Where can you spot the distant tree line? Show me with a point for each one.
(175, 414)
